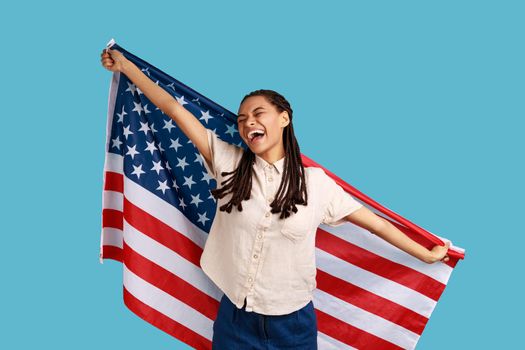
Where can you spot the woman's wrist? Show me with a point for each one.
(431, 257)
(127, 65)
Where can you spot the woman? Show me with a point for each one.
(261, 247)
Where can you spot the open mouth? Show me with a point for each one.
(256, 136)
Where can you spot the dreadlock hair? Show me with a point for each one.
(292, 189)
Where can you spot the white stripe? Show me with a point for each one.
(112, 236)
(113, 200)
(167, 305)
(375, 244)
(170, 260)
(110, 43)
(325, 342)
(365, 320)
(114, 163)
(381, 286)
(163, 211)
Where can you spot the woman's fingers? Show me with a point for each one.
(105, 59)
(446, 258)
(112, 59)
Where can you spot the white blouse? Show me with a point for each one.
(255, 255)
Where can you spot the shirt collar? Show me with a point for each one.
(261, 163)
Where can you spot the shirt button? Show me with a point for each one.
(250, 279)
(270, 179)
(259, 236)
(270, 199)
(267, 214)
(255, 256)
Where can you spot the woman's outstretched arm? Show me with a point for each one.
(368, 220)
(115, 61)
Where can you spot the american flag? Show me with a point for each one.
(157, 210)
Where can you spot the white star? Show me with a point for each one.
(138, 171)
(198, 158)
(131, 88)
(160, 147)
(175, 184)
(188, 181)
(153, 128)
(132, 151)
(203, 218)
(140, 92)
(127, 132)
(182, 204)
(171, 86)
(146, 70)
(157, 166)
(206, 177)
(121, 115)
(206, 116)
(163, 186)
(175, 144)
(211, 196)
(181, 100)
(168, 125)
(116, 142)
(195, 199)
(138, 108)
(182, 163)
(168, 166)
(151, 147)
(146, 109)
(145, 128)
(231, 129)
(197, 100)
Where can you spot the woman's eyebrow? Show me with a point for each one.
(252, 111)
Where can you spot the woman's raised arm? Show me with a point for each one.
(115, 61)
(372, 222)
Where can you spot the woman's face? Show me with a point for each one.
(256, 113)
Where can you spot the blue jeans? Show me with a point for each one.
(239, 329)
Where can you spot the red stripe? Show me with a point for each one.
(162, 233)
(114, 182)
(112, 218)
(371, 302)
(164, 323)
(379, 265)
(111, 252)
(348, 334)
(170, 283)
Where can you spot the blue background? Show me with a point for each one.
(417, 104)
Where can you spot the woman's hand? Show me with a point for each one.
(113, 60)
(439, 252)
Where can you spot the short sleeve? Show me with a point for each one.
(224, 155)
(337, 202)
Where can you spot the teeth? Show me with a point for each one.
(250, 134)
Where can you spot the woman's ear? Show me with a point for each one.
(285, 119)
